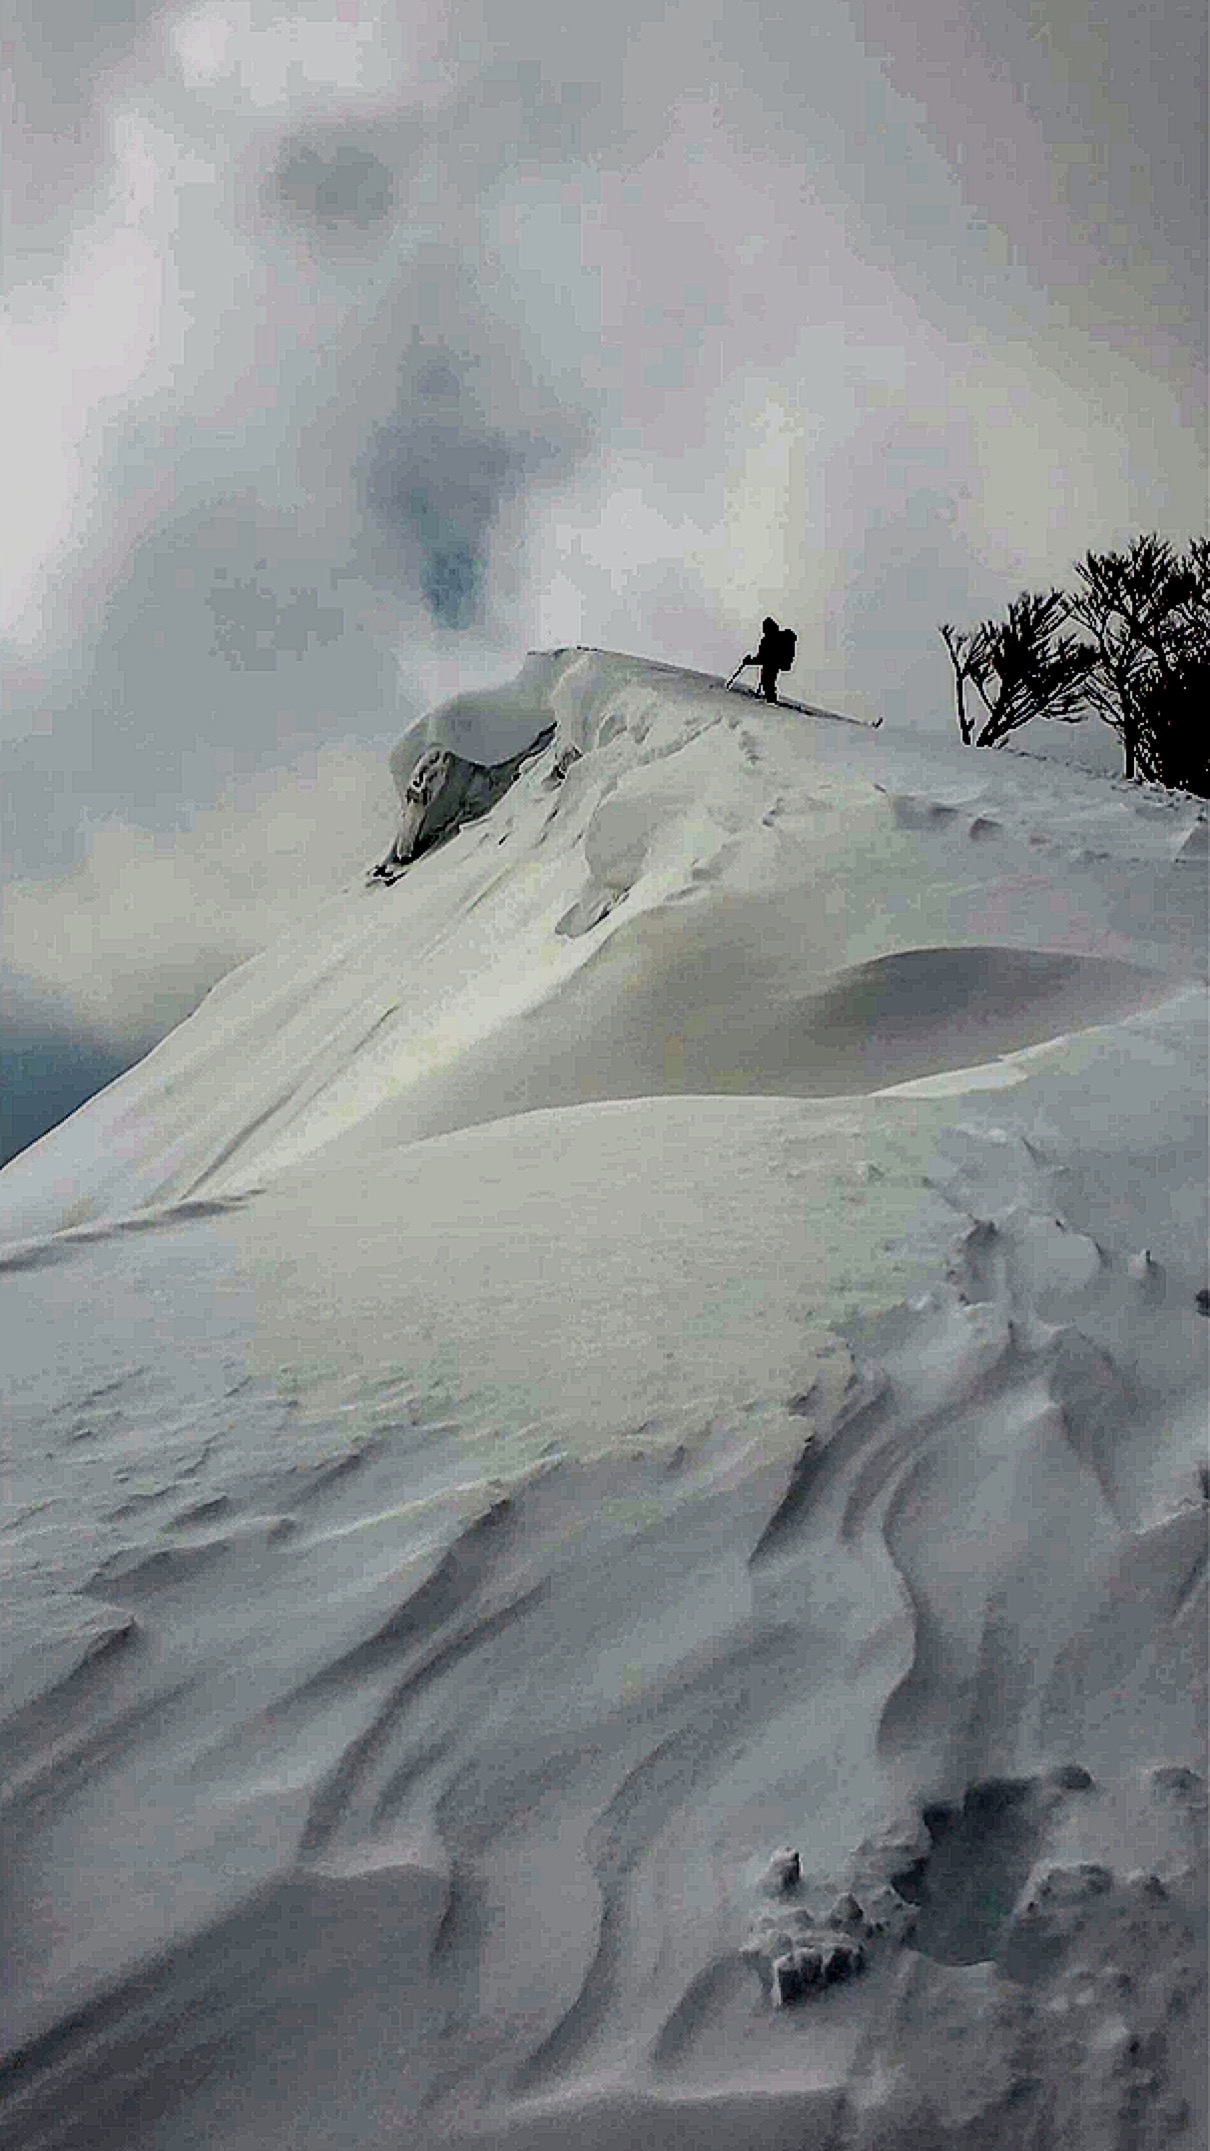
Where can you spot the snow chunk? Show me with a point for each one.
(489, 725)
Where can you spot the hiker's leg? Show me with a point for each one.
(768, 683)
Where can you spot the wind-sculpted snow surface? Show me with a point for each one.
(607, 1504)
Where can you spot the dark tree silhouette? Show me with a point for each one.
(1145, 671)
(966, 653)
(1021, 668)
(1149, 616)
(1173, 743)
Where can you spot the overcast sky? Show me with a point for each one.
(353, 347)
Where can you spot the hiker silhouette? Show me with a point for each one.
(775, 654)
(768, 657)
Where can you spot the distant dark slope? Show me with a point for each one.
(47, 1069)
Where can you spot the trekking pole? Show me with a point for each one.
(739, 668)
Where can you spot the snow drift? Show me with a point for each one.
(455, 763)
(666, 1341)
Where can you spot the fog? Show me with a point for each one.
(353, 349)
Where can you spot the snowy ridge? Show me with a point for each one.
(704, 823)
(671, 1333)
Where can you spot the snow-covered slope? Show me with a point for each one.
(671, 1331)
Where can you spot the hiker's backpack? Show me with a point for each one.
(787, 644)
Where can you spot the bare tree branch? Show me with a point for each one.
(1145, 671)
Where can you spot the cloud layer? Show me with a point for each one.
(134, 935)
(355, 348)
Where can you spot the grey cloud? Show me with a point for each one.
(253, 626)
(173, 631)
(467, 237)
(56, 148)
(432, 490)
(435, 476)
(531, 108)
(60, 46)
(352, 186)
(123, 945)
(1080, 138)
(172, 697)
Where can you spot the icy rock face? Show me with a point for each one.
(419, 794)
(457, 760)
(560, 766)
(440, 789)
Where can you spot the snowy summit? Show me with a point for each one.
(606, 1533)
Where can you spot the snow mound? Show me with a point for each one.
(488, 725)
(671, 1332)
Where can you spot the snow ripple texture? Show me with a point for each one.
(607, 1507)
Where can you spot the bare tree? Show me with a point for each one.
(1174, 727)
(1020, 669)
(1174, 697)
(966, 654)
(1146, 670)
(1149, 615)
